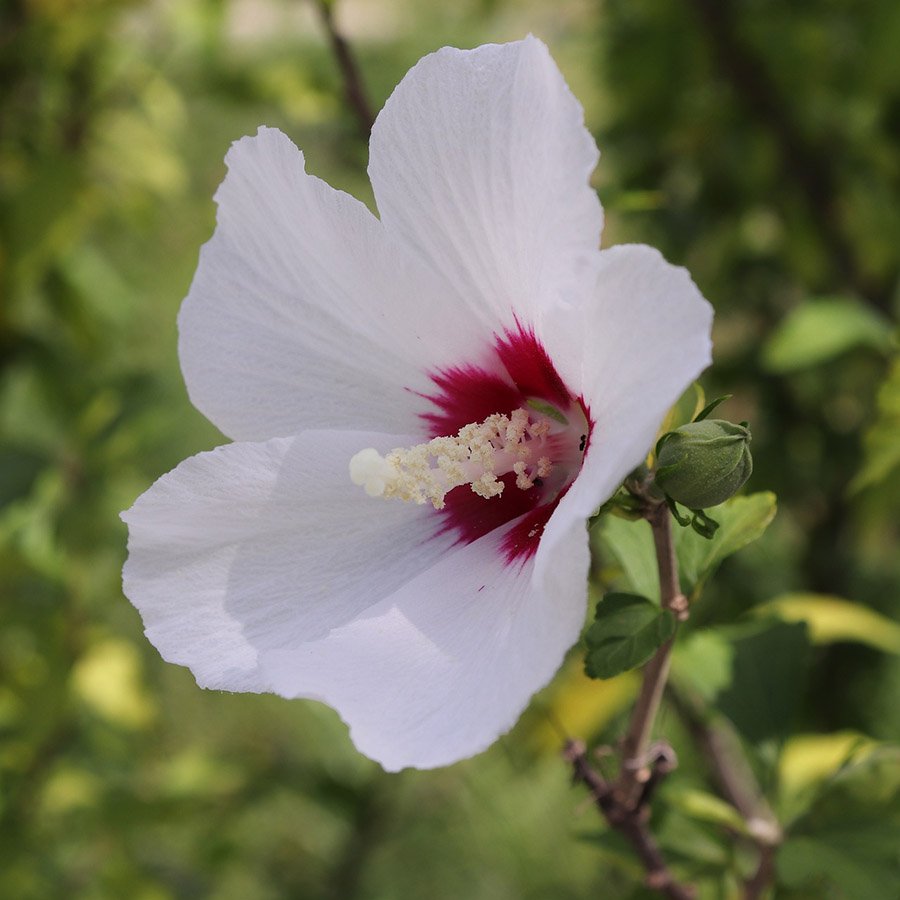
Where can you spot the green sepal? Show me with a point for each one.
(703, 524)
(683, 521)
(710, 407)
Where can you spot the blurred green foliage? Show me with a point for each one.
(754, 142)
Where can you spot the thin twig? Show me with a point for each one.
(737, 783)
(762, 878)
(346, 60)
(734, 779)
(634, 772)
(630, 822)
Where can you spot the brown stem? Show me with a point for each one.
(634, 771)
(756, 885)
(343, 54)
(626, 805)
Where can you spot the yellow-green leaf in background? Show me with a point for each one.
(808, 759)
(705, 807)
(69, 788)
(847, 843)
(819, 330)
(108, 680)
(688, 405)
(579, 705)
(832, 619)
(192, 772)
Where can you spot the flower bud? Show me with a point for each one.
(702, 464)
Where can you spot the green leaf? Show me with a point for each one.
(702, 663)
(742, 520)
(811, 863)
(768, 678)
(849, 839)
(867, 785)
(630, 544)
(820, 330)
(615, 849)
(832, 619)
(685, 837)
(626, 633)
(808, 760)
(705, 807)
(882, 440)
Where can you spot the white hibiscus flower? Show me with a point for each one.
(316, 334)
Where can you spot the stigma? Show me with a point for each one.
(522, 444)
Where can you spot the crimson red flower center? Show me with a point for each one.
(520, 375)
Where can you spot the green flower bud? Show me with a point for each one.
(703, 463)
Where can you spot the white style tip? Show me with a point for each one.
(370, 470)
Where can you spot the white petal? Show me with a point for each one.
(646, 337)
(440, 669)
(303, 313)
(256, 546)
(481, 161)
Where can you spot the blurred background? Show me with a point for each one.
(754, 141)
